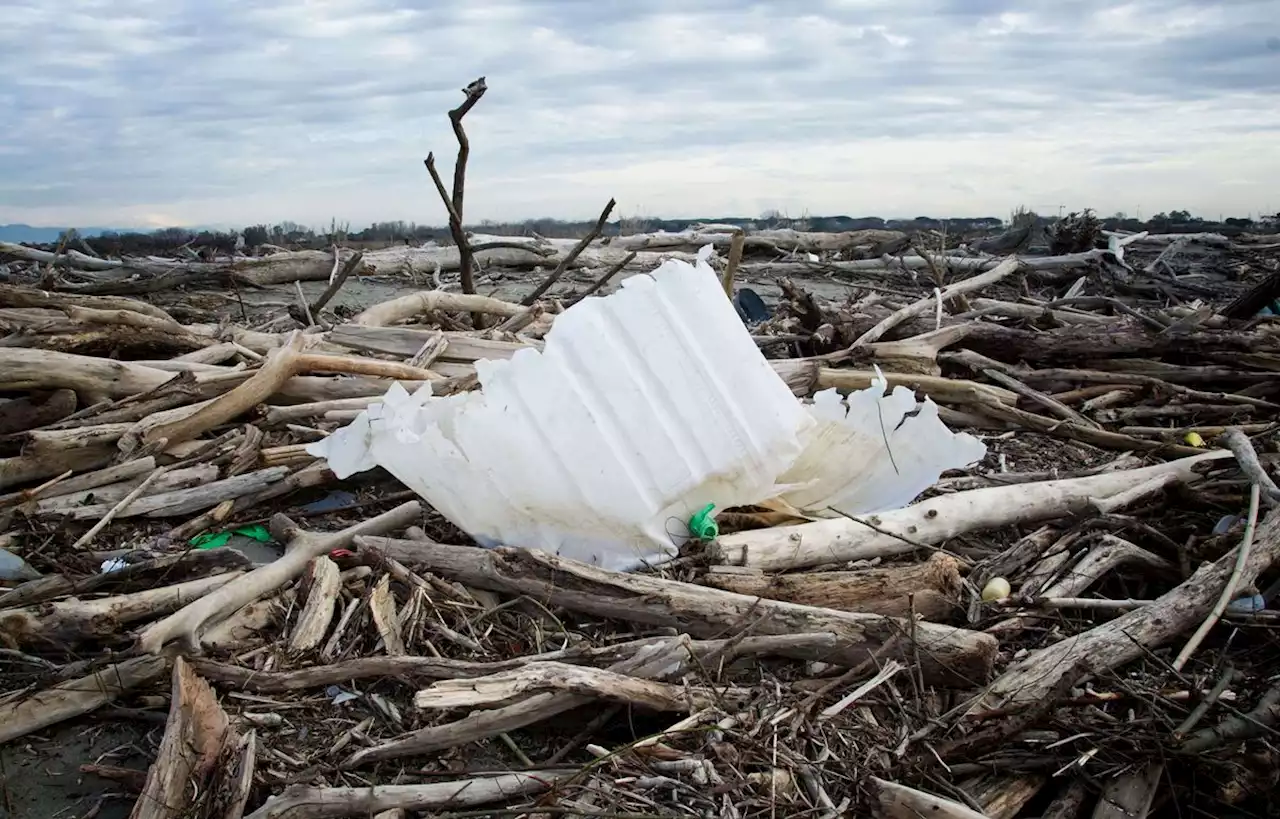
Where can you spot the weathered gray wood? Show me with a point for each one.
(949, 656)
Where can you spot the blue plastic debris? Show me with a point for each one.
(1224, 524)
(1247, 605)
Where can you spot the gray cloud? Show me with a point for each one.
(136, 111)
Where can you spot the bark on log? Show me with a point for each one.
(35, 369)
(1076, 346)
(721, 236)
(274, 415)
(932, 521)
(667, 660)
(428, 301)
(1004, 796)
(935, 584)
(146, 573)
(463, 348)
(896, 801)
(443, 668)
(50, 442)
(30, 468)
(597, 683)
(241, 629)
(1131, 795)
(69, 503)
(188, 501)
(515, 252)
(71, 621)
(949, 655)
(104, 342)
(71, 257)
(12, 295)
(98, 379)
(309, 477)
(382, 607)
(241, 781)
(1040, 267)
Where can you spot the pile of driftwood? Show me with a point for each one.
(1084, 619)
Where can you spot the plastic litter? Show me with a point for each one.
(336, 499)
(750, 306)
(1224, 524)
(702, 526)
(114, 564)
(872, 452)
(647, 406)
(215, 540)
(1247, 605)
(997, 588)
(13, 567)
(337, 696)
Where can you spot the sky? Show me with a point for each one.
(234, 112)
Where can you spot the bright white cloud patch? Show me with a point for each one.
(132, 111)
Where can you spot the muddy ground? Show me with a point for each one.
(40, 775)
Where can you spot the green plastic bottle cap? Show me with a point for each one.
(702, 525)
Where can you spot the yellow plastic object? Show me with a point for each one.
(997, 588)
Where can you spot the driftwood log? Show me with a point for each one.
(948, 655)
(932, 521)
(930, 589)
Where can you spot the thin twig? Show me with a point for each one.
(1048, 402)
(302, 302)
(1247, 457)
(117, 509)
(1242, 557)
(1204, 705)
(882, 531)
(569, 259)
(602, 281)
(336, 284)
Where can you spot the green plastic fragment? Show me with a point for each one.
(215, 540)
(702, 525)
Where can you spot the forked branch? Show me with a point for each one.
(453, 203)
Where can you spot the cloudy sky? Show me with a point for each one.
(160, 112)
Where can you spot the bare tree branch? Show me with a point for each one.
(573, 254)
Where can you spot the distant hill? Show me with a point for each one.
(43, 235)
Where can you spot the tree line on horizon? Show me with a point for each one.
(294, 235)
